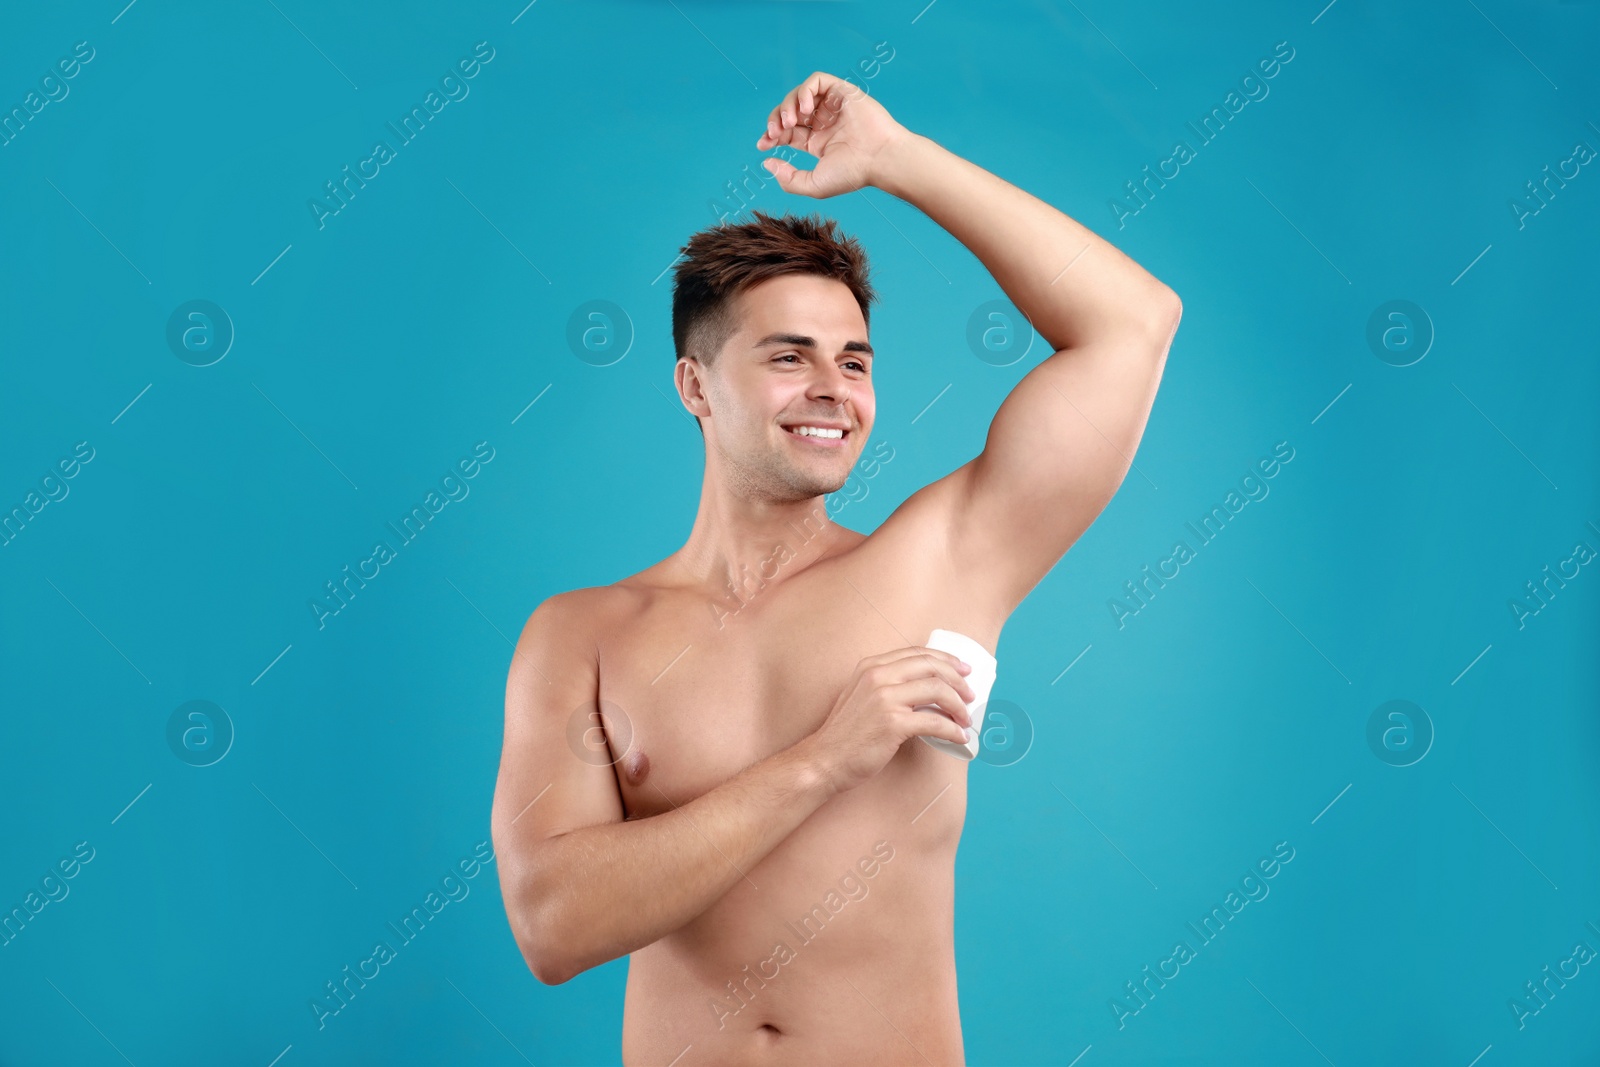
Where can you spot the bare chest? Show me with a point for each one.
(697, 692)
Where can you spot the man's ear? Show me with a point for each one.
(690, 377)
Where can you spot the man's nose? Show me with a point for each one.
(829, 383)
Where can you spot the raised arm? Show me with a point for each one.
(582, 886)
(1062, 442)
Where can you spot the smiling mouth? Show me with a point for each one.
(818, 436)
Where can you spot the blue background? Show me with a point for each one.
(373, 352)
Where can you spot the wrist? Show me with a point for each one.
(899, 161)
(813, 769)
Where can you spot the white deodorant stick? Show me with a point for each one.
(981, 679)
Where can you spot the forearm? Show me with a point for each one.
(1073, 285)
(598, 893)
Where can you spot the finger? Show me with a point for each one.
(800, 102)
(935, 691)
(807, 101)
(798, 106)
(950, 667)
(923, 660)
(774, 130)
(777, 134)
(803, 138)
(933, 724)
(927, 665)
(910, 653)
(924, 650)
(789, 108)
(791, 179)
(820, 84)
(826, 109)
(813, 102)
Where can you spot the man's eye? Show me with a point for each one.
(788, 355)
(859, 366)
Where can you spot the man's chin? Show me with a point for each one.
(805, 486)
(817, 483)
(805, 481)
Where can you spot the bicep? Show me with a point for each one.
(555, 773)
(1058, 449)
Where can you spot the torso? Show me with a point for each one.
(707, 692)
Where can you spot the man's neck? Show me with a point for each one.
(741, 545)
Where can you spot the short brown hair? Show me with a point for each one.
(727, 259)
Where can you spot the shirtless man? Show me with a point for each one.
(712, 766)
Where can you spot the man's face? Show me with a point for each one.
(798, 358)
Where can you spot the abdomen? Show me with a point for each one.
(849, 917)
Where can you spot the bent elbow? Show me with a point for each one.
(547, 922)
(549, 973)
(1166, 311)
(539, 952)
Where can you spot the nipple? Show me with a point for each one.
(635, 766)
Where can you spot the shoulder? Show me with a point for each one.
(917, 534)
(563, 634)
(578, 614)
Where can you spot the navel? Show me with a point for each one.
(635, 766)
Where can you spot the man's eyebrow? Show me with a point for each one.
(802, 341)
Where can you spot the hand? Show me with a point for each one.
(847, 130)
(875, 714)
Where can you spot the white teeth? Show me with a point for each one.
(817, 431)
